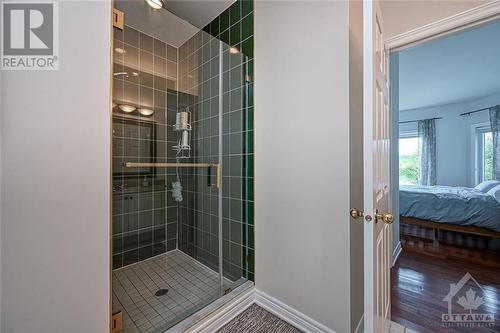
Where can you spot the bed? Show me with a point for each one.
(461, 209)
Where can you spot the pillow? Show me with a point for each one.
(495, 192)
(487, 185)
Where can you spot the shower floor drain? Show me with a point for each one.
(161, 292)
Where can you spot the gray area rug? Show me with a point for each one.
(257, 320)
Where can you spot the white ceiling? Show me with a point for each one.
(182, 19)
(459, 67)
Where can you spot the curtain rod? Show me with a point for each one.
(414, 121)
(471, 112)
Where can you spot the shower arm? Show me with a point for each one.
(178, 165)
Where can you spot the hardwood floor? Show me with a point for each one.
(421, 279)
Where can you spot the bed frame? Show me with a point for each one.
(436, 226)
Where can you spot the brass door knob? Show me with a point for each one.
(386, 218)
(356, 213)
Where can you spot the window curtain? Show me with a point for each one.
(427, 152)
(495, 131)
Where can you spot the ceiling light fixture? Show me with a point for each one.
(127, 108)
(145, 112)
(120, 74)
(156, 4)
(120, 50)
(234, 50)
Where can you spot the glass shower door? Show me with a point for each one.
(182, 166)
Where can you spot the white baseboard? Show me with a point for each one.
(396, 253)
(217, 319)
(225, 314)
(288, 314)
(361, 325)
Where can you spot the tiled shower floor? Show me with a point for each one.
(190, 285)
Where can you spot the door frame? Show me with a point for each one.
(461, 21)
(464, 20)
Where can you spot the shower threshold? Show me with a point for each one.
(191, 287)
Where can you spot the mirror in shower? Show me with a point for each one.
(182, 158)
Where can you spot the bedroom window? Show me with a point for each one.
(485, 154)
(408, 160)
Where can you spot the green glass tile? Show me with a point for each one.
(250, 69)
(247, 27)
(250, 206)
(224, 20)
(214, 27)
(235, 12)
(251, 237)
(251, 260)
(207, 28)
(250, 142)
(247, 47)
(235, 34)
(250, 187)
(244, 225)
(224, 36)
(250, 119)
(250, 160)
(246, 7)
(250, 95)
(117, 261)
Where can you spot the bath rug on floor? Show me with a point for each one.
(257, 320)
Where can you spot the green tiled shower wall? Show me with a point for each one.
(199, 79)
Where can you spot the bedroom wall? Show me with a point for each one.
(454, 142)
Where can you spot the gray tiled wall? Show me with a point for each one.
(144, 215)
(146, 221)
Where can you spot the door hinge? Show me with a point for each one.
(118, 18)
(117, 322)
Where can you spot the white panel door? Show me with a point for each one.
(377, 205)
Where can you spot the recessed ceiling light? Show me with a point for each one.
(120, 50)
(127, 108)
(135, 74)
(234, 50)
(146, 112)
(156, 4)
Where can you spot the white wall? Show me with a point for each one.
(302, 157)
(1, 126)
(55, 169)
(356, 157)
(453, 137)
(402, 16)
